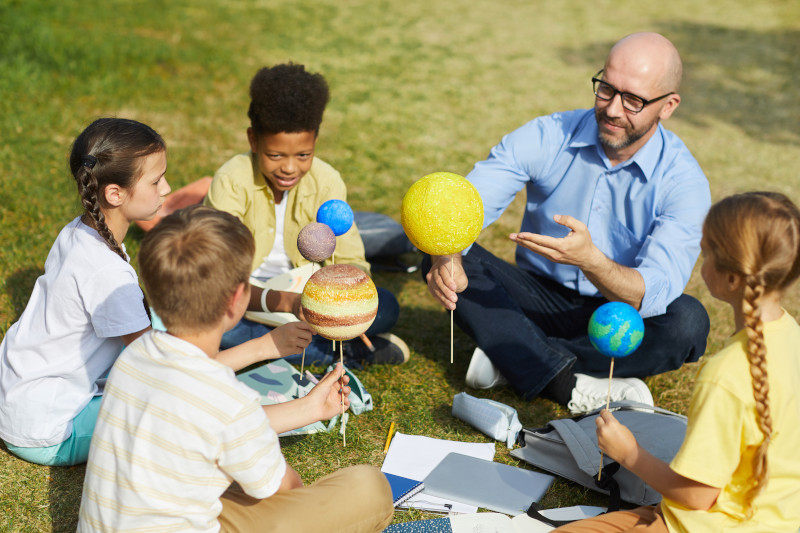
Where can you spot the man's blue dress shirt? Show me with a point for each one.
(646, 213)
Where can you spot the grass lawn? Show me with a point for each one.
(416, 87)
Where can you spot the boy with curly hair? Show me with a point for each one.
(180, 443)
(276, 190)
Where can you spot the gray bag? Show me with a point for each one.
(568, 448)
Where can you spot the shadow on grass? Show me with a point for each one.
(37, 492)
(744, 77)
(19, 286)
(66, 485)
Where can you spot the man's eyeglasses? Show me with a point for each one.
(605, 91)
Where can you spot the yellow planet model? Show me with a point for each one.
(442, 213)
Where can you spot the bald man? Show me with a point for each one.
(615, 205)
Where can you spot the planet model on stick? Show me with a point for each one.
(339, 302)
(442, 213)
(316, 242)
(337, 215)
(616, 329)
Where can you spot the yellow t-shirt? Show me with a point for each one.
(239, 188)
(723, 435)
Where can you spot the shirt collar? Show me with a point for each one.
(259, 181)
(646, 157)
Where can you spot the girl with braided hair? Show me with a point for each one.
(738, 467)
(87, 305)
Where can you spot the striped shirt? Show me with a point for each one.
(174, 430)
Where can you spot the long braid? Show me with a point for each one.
(757, 356)
(88, 189)
(109, 152)
(756, 235)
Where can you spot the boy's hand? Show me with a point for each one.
(291, 338)
(614, 439)
(327, 394)
(322, 403)
(297, 308)
(444, 281)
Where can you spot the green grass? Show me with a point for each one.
(417, 87)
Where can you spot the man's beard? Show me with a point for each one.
(630, 137)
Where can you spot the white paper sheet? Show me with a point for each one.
(500, 523)
(415, 456)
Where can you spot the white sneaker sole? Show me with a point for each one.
(591, 393)
(481, 373)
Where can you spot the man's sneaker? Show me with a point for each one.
(482, 374)
(590, 393)
(389, 350)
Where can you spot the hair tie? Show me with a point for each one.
(89, 161)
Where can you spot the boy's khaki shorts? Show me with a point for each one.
(357, 499)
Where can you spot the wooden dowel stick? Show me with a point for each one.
(341, 360)
(367, 342)
(451, 316)
(610, 376)
(608, 401)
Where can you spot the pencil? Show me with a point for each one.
(389, 438)
(367, 342)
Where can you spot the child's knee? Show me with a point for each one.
(370, 487)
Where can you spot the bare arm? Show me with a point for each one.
(291, 480)
(618, 442)
(130, 337)
(277, 301)
(447, 278)
(284, 340)
(322, 403)
(616, 282)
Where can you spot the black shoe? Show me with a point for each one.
(389, 350)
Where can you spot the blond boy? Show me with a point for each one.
(180, 443)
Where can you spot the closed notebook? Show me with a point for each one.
(402, 487)
(495, 486)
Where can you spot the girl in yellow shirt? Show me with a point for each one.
(738, 466)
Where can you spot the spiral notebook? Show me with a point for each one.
(402, 487)
(495, 486)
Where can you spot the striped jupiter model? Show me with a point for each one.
(340, 302)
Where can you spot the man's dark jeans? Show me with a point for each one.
(532, 328)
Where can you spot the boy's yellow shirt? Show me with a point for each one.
(239, 188)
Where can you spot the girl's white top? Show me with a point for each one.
(55, 358)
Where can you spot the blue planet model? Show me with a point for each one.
(337, 215)
(616, 329)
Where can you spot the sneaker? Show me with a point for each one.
(389, 349)
(482, 374)
(590, 393)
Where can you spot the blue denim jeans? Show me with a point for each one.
(320, 351)
(532, 328)
(381, 235)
